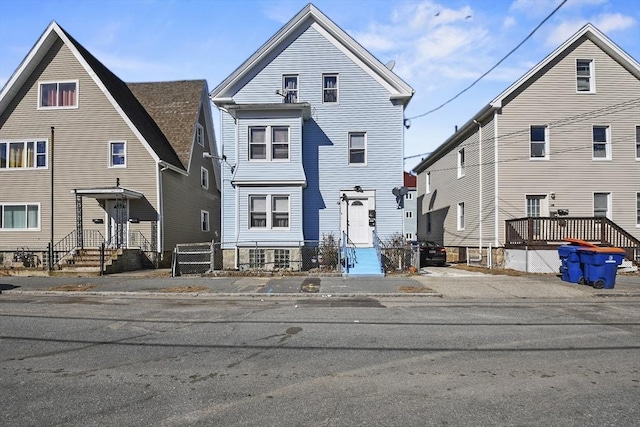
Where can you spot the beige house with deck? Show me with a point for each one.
(556, 155)
(127, 165)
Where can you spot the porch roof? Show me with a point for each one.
(103, 193)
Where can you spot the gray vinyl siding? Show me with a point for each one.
(81, 154)
(570, 172)
(364, 106)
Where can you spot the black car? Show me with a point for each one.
(432, 253)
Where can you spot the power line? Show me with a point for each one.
(495, 66)
(591, 114)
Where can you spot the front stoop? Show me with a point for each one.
(366, 265)
(116, 261)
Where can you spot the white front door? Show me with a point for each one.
(354, 218)
(117, 212)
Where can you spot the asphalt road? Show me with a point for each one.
(83, 361)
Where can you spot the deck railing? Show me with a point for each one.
(542, 231)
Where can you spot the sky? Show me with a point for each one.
(439, 47)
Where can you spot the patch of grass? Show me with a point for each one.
(415, 289)
(185, 289)
(73, 288)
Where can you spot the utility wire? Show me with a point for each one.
(591, 114)
(495, 66)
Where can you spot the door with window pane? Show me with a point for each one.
(537, 207)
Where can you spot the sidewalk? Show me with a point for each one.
(442, 282)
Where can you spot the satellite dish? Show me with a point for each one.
(404, 190)
(390, 64)
(395, 191)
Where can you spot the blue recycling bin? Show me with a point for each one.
(601, 266)
(570, 263)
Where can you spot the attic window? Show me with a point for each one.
(290, 89)
(200, 135)
(585, 79)
(329, 88)
(62, 94)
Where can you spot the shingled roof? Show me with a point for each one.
(174, 107)
(131, 107)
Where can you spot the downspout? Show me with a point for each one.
(160, 218)
(495, 177)
(480, 185)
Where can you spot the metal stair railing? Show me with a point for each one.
(348, 253)
(377, 244)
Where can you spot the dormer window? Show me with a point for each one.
(290, 89)
(585, 79)
(63, 94)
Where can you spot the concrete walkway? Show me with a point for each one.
(442, 282)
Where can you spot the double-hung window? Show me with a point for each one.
(357, 148)
(204, 220)
(329, 88)
(117, 154)
(269, 211)
(63, 94)
(408, 214)
(261, 138)
(601, 143)
(200, 135)
(290, 89)
(20, 216)
(585, 81)
(539, 142)
(23, 154)
(461, 163)
(204, 177)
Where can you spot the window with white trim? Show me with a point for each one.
(539, 145)
(637, 142)
(200, 135)
(409, 237)
(20, 216)
(602, 205)
(117, 154)
(204, 177)
(357, 148)
(329, 88)
(461, 163)
(204, 221)
(601, 143)
(427, 183)
(62, 94)
(408, 214)
(269, 143)
(269, 211)
(23, 154)
(585, 79)
(461, 216)
(290, 89)
(409, 195)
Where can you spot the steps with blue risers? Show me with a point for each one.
(367, 264)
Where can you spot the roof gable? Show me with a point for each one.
(311, 16)
(591, 33)
(120, 96)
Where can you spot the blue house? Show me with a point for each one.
(312, 146)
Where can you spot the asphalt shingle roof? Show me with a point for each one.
(174, 107)
(132, 107)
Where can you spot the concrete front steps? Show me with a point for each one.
(116, 261)
(366, 265)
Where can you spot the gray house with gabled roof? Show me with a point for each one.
(121, 164)
(555, 155)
